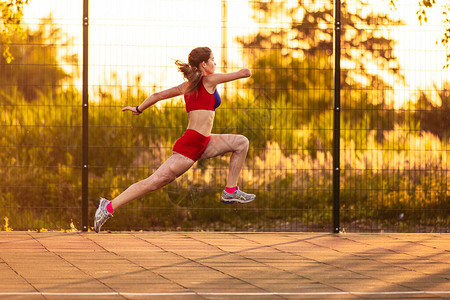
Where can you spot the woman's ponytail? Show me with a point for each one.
(192, 74)
(191, 71)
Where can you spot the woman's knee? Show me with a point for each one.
(164, 179)
(242, 144)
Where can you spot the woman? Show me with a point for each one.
(201, 98)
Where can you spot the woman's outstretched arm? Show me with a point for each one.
(152, 99)
(211, 81)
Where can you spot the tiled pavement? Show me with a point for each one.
(204, 265)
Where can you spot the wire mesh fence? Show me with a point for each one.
(394, 119)
(394, 160)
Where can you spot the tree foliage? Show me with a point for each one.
(12, 13)
(435, 117)
(37, 66)
(305, 29)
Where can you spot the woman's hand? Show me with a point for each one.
(132, 109)
(245, 73)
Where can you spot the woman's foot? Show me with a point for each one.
(237, 196)
(102, 214)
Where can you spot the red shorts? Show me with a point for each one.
(191, 144)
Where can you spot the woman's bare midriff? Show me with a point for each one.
(201, 121)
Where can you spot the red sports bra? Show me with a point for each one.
(200, 99)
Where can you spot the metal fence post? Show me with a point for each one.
(85, 109)
(336, 116)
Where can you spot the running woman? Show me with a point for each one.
(201, 98)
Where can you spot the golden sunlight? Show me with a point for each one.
(146, 37)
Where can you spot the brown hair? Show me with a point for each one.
(191, 70)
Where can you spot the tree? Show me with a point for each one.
(36, 70)
(291, 56)
(12, 13)
(306, 30)
(435, 117)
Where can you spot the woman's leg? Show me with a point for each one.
(175, 166)
(224, 143)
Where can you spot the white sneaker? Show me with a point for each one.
(237, 196)
(102, 214)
